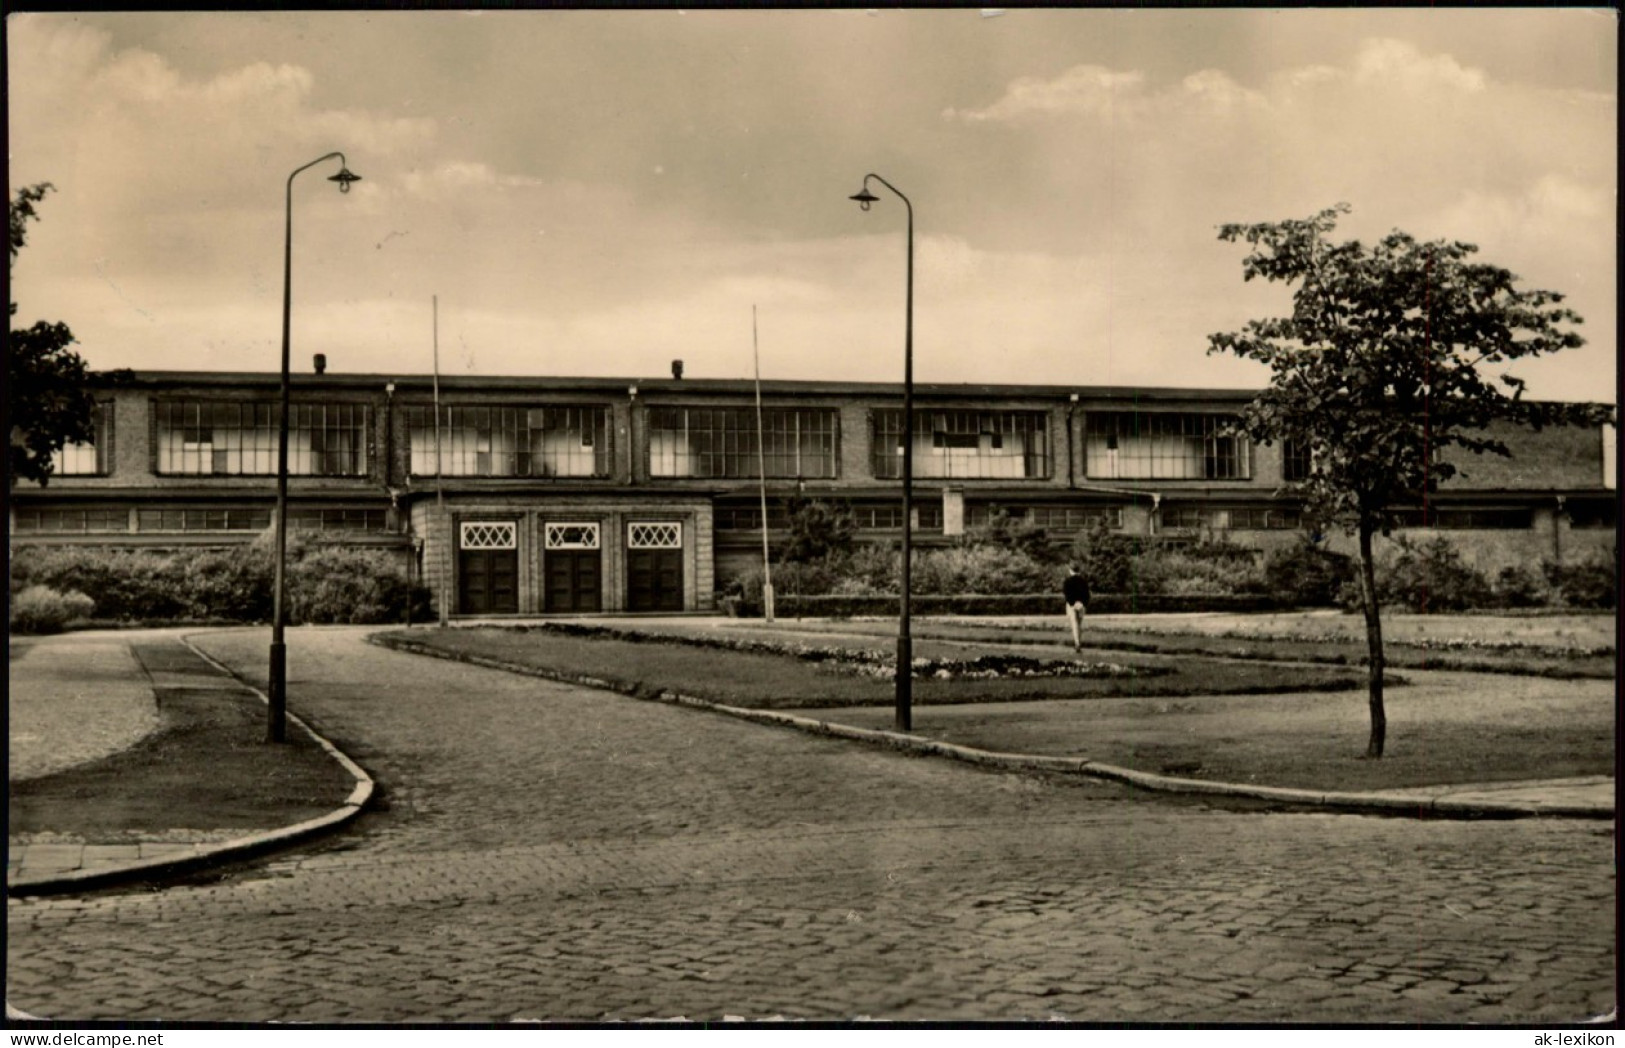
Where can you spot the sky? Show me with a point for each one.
(598, 193)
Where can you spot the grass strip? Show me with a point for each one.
(207, 768)
(743, 675)
(1527, 660)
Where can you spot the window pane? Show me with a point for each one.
(511, 441)
(968, 444)
(1164, 446)
(728, 443)
(240, 439)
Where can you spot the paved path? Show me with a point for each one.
(65, 711)
(547, 852)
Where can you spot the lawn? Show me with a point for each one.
(1234, 720)
(1442, 729)
(693, 663)
(1560, 646)
(206, 768)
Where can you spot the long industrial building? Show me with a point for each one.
(560, 495)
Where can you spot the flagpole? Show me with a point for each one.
(439, 484)
(761, 469)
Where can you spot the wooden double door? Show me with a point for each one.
(654, 580)
(574, 580)
(488, 581)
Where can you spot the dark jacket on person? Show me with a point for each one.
(1075, 590)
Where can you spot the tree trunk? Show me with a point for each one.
(1373, 636)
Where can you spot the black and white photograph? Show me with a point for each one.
(888, 519)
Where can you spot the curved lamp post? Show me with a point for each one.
(905, 643)
(277, 708)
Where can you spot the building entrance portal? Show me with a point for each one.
(487, 568)
(572, 563)
(654, 567)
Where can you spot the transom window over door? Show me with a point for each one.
(655, 536)
(571, 536)
(489, 534)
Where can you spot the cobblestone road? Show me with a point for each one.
(547, 852)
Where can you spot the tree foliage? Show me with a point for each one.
(1388, 358)
(48, 400)
(1391, 354)
(817, 530)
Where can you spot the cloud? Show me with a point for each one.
(1397, 63)
(1068, 205)
(147, 140)
(1096, 91)
(1551, 202)
(1214, 90)
(1089, 89)
(459, 177)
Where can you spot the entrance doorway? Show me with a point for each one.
(572, 564)
(654, 567)
(487, 567)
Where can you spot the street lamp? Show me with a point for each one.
(277, 709)
(905, 643)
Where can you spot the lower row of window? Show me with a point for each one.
(93, 520)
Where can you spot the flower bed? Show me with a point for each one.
(872, 662)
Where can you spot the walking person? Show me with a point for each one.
(1075, 592)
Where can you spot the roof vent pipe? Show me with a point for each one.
(677, 369)
(321, 363)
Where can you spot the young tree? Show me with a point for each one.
(1385, 361)
(818, 529)
(48, 401)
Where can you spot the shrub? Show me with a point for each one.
(341, 584)
(982, 569)
(325, 583)
(1589, 584)
(788, 580)
(1430, 576)
(124, 584)
(1517, 587)
(875, 568)
(1306, 574)
(231, 584)
(1107, 559)
(41, 609)
(1204, 569)
(1016, 534)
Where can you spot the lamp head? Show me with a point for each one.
(344, 178)
(864, 197)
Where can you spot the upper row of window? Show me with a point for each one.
(239, 438)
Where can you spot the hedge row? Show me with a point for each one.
(325, 584)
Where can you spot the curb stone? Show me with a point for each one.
(226, 851)
(1372, 803)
